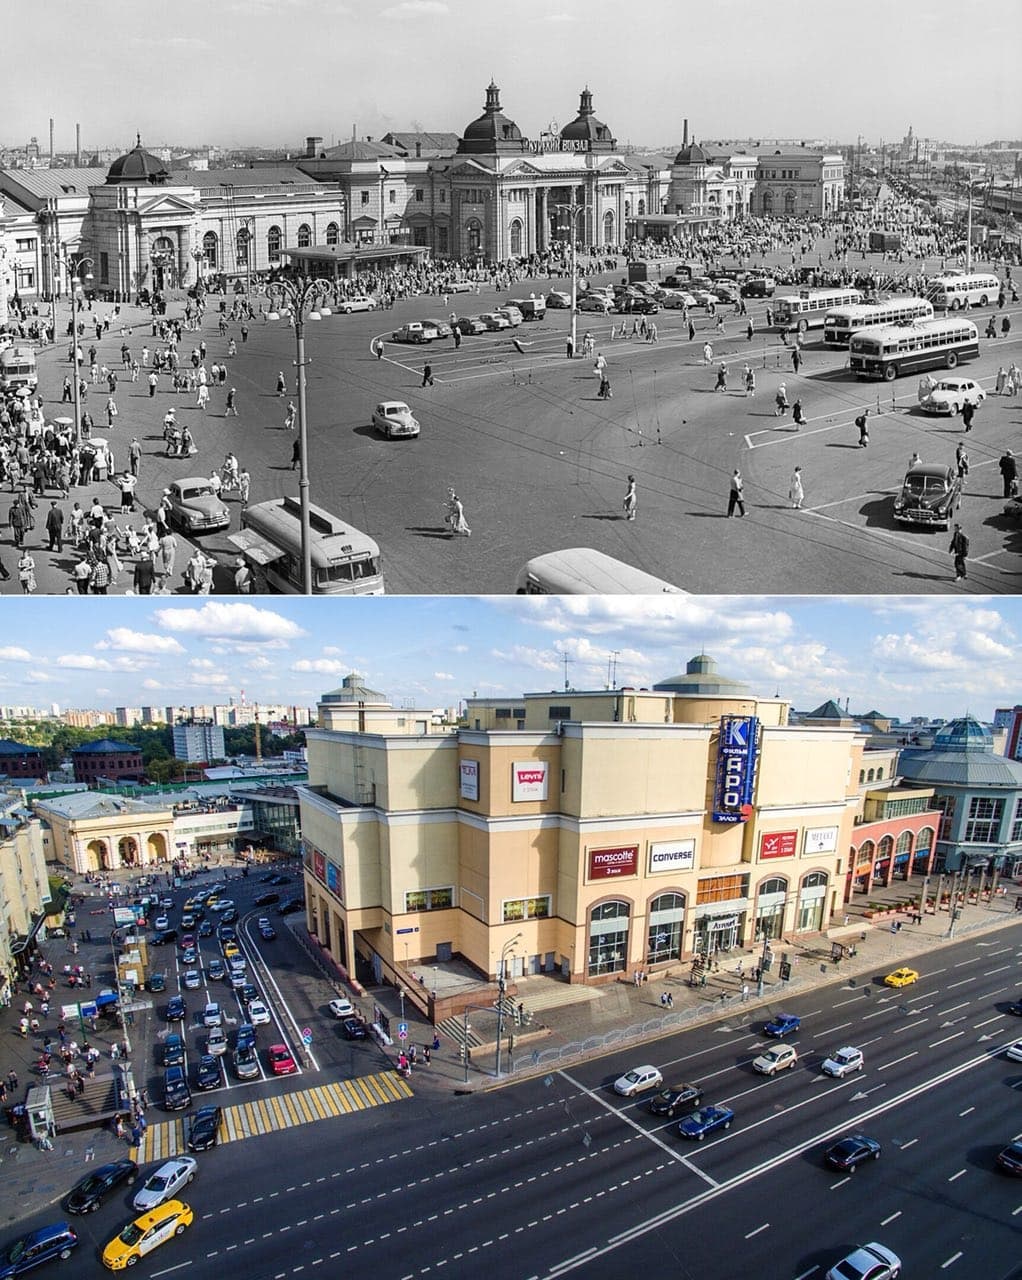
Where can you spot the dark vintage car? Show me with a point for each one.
(929, 495)
(195, 507)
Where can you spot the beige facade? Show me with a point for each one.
(24, 895)
(88, 832)
(582, 843)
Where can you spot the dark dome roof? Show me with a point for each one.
(138, 167)
(106, 747)
(701, 677)
(692, 154)
(586, 128)
(492, 131)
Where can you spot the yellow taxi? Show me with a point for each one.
(901, 978)
(231, 950)
(147, 1232)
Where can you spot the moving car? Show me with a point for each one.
(89, 1192)
(781, 1057)
(192, 979)
(248, 993)
(216, 969)
(354, 1029)
(929, 495)
(211, 1016)
(850, 1152)
(341, 1008)
(162, 923)
(245, 1037)
(706, 1120)
(29, 1251)
(281, 1061)
(393, 419)
(176, 1008)
(494, 320)
(358, 302)
(443, 329)
(783, 1024)
(1010, 1158)
(671, 1100)
(843, 1062)
(165, 1182)
(1014, 1051)
(411, 332)
(901, 978)
(280, 878)
(511, 314)
(146, 1233)
(469, 325)
(949, 395)
(630, 305)
(676, 299)
(176, 1094)
(216, 1041)
(162, 936)
(195, 507)
(267, 899)
(189, 956)
(246, 1063)
(638, 1080)
(173, 1051)
(204, 1130)
(267, 932)
(758, 287)
(258, 1014)
(290, 906)
(157, 982)
(868, 1262)
(206, 929)
(459, 286)
(557, 299)
(207, 1073)
(594, 302)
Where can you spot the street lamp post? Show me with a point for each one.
(573, 210)
(301, 295)
(501, 989)
(76, 277)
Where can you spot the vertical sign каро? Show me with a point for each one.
(736, 768)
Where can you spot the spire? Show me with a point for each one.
(138, 140)
(585, 102)
(492, 98)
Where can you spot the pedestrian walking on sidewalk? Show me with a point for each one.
(736, 495)
(959, 548)
(631, 500)
(796, 493)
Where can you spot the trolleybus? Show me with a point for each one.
(807, 309)
(895, 350)
(840, 323)
(582, 571)
(952, 292)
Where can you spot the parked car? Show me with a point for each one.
(411, 332)
(638, 1080)
(706, 1120)
(848, 1153)
(165, 1182)
(470, 325)
(195, 507)
(42, 1245)
(781, 1057)
(146, 1233)
(636, 305)
(494, 320)
(782, 1025)
(673, 1099)
(594, 302)
(929, 495)
(393, 419)
(358, 302)
(89, 1192)
(512, 315)
(675, 300)
(843, 1062)
(204, 1130)
(443, 329)
(556, 299)
(949, 395)
(354, 1029)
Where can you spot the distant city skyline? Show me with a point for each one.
(915, 656)
(236, 73)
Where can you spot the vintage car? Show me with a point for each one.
(929, 495)
(195, 506)
(948, 395)
(394, 418)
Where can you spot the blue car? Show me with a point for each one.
(27, 1252)
(705, 1121)
(782, 1025)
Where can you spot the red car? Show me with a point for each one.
(281, 1061)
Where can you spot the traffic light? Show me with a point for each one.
(785, 970)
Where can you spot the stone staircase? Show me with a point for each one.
(94, 1108)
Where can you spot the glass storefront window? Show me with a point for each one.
(666, 925)
(608, 938)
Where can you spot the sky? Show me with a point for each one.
(270, 72)
(910, 656)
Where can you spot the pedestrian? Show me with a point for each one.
(427, 1055)
(12, 1080)
(281, 384)
(202, 397)
(750, 329)
(1000, 381)
(605, 392)
(55, 527)
(707, 353)
(631, 500)
(797, 414)
(569, 349)
(1005, 326)
(968, 413)
(959, 548)
(378, 348)
(427, 375)
(691, 331)
(796, 493)
(455, 516)
(745, 992)
(134, 456)
(962, 463)
(721, 377)
(1008, 467)
(736, 495)
(781, 401)
(750, 381)
(153, 381)
(296, 452)
(26, 573)
(242, 577)
(436, 1042)
(231, 406)
(290, 417)
(862, 422)
(796, 359)
(244, 486)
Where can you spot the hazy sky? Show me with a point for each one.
(238, 72)
(917, 656)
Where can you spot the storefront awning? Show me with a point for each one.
(255, 546)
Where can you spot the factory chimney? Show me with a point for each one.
(51, 140)
(78, 145)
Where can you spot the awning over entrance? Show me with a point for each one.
(255, 546)
(347, 258)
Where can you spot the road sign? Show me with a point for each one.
(402, 1030)
(306, 1038)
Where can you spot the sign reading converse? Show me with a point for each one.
(607, 864)
(736, 769)
(528, 780)
(470, 780)
(671, 855)
(820, 840)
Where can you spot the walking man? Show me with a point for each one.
(962, 463)
(796, 359)
(134, 455)
(55, 527)
(631, 500)
(968, 413)
(1008, 467)
(862, 422)
(427, 375)
(959, 548)
(232, 403)
(290, 416)
(736, 496)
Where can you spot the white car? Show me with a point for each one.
(193, 979)
(494, 320)
(361, 302)
(393, 418)
(844, 1062)
(949, 395)
(222, 904)
(161, 922)
(165, 1182)
(1014, 1052)
(258, 1013)
(868, 1262)
(781, 1057)
(216, 1041)
(341, 1008)
(675, 299)
(638, 1080)
(211, 1016)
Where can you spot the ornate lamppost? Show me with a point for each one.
(76, 277)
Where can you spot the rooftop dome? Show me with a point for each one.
(966, 734)
(586, 128)
(692, 154)
(138, 167)
(105, 747)
(962, 755)
(701, 677)
(492, 131)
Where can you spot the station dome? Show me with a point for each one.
(492, 132)
(138, 167)
(692, 154)
(586, 128)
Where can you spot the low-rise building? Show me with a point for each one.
(24, 890)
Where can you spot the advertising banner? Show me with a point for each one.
(820, 840)
(529, 780)
(333, 878)
(736, 769)
(607, 864)
(671, 855)
(319, 865)
(469, 780)
(778, 844)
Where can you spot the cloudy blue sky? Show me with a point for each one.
(916, 656)
(239, 72)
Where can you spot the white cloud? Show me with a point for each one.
(241, 623)
(331, 651)
(416, 9)
(443, 675)
(126, 640)
(84, 662)
(201, 664)
(322, 666)
(151, 684)
(13, 654)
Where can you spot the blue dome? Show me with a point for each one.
(965, 734)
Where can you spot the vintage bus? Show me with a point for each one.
(345, 562)
(840, 323)
(18, 369)
(952, 292)
(894, 350)
(582, 571)
(808, 308)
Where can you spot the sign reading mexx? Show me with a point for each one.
(470, 779)
(529, 780)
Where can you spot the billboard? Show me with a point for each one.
(607, 864)
(529, 780)
(319, 866)
(778, 844)
(333, 878)
(820, 840)
(671, 855)
(736, 768)
(469, 789)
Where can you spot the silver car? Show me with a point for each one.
(165, 1182)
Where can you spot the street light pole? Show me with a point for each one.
(76, 279)
(573, 210)
(501, 988)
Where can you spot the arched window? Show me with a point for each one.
(814, 880)
(333, 233)
(666, 928)
(641, 209)
(886, 847)
(789, 202)
(904, 844)
(776, 884)
(608, 227)
(924, 841)
(862, 776)
(608, 938)
(628, 208)
(770, 901)
(867, 852)
(211, 249)
(880, 773)
(812, 900)
(515, 240)
(273, 239)
(768, 201)
(304, 236)
(473, 235)
(241, 247)
(870, 776)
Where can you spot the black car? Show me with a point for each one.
(176, 1009)
(267, 933)
(176, 1094)
(354, 1029)
(265, 899)
(157, 982)
(279, 878)
(28, 1251)
(205, 1128)
(206, 929)
(246, 1036)
(248, 993)
(230, 916)
(1016, 1008)
(162, 937)
(850, 1152)
(1010, 1158)
(207, 1073)
(173, 1051)
(226, 933)
(89, 1192)
(668, 1102)
(291, 905)
(636, 306)
(267, 878)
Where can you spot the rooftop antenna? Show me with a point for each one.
(566, 660)
(612, 668)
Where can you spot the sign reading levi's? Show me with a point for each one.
(605, 864)
(529, 780)
(778, 844)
